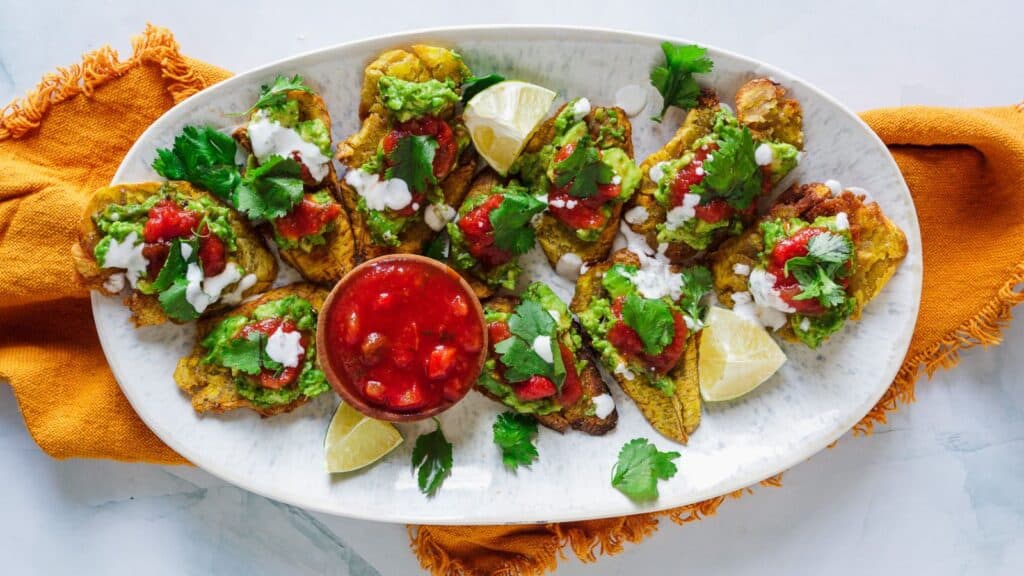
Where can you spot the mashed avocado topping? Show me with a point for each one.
(246, 357)
(408, 100)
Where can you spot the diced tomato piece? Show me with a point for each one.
(447, 147)
(579, 213)
(536, 388)
(411, 398)
(452, 390)
(714, 211)
(309, 217)
(156, 256)
(168, 220)
(404, 350)
(374, 390)
(275, 381)
(571, 388)
(212, 254)
(690, 175)
(809, 307)
(624, 338)
(440, 361)
(496, 332)
(374, 347)
(352, 330)
(459, 306)
(794, 246)
(268, 378)
(478, 233)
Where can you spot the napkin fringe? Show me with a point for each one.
(156, 45)
(985, 329)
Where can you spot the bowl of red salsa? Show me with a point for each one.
(402, 337)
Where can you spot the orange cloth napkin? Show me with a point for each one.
(66, 138)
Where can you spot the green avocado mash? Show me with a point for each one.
(408, 100)
(384, 229)
(697, 233)
(314, 132)
(227, 349)
(286, 113)
(784, 158)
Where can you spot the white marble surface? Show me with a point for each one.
(937, 491)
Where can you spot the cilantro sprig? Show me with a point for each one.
(529, 321)
(477, 84)
(412, 160)
(731, 172)
(697, 282)
(276, 93)
(639, 467)
(675, 79)
(511, 219)
(514, 433)
(203, 156)
(652, 320)
(827, 254)
(270, 190)
(432, 459)
(584, 168)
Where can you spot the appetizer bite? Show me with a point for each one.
(492, 230)
(703, 185)
(410, 163)
(181, 253)
(641, 315)
(580, 161)
(812, 262)
(290, 183)
(538, 365)
(260, 356)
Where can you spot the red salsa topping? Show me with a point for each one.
(308, 218)
(405, 336)
(794, 247)
(580, 213)
(692, 174)
(540, 387)
(269, 378)
(626, 340)
(479, 233)
(444, 156)
(168, 220)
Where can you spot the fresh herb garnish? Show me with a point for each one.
(675, 79)
(248, 355)
(477, 84)
(270, 190)
(439, 247)
(827, 253)
(731, 172)
(639, 468)
(696, 283)
(174, 302)
(412, 160)
(276, 94)
(652, 320)
(528, 322)
(203, 156)
(513, 433)
(511, 219)
(584, 168)
(432, 456)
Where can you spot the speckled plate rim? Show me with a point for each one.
(451, 35)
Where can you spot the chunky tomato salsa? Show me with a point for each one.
(405, 335)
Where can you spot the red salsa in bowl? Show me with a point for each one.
(402, 337)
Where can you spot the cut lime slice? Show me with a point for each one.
(355, 441)
(736, 356)
(502, 118)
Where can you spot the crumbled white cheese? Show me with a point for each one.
(186, 251)
(632, 99)
(680, 214)
(835, 186)
(270, 138)
(603, 405)
(542, 346)
(842, 221)
(636, 215)
(625, 372)
(741, 269)
(764, 155)
(568, 266)
(285, 347)
(805, 324)
(114, 283)
(762, 303)
(126, 254)
(437, 215)
(657, 172)
(380, 194)
(580, 108)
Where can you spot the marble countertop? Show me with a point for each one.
(937, 490)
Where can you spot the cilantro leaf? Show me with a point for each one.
(412, 160)
(530, 320)
(432, 455)
(696, 283)
(174, 302)
(439, 247)
(639, 468)
(244, 354)
(675, 79)
(175, 265)
(618, 280)
(652, 320)
(731, 172)
(514, 433)
(270, 190)
(203, 156)
(584, 168)
(511, 219)
(276, 94)
(816, 272)
(477, 84)
(521, 362)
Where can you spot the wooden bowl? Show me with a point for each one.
(348, 390)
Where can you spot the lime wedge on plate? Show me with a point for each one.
(736, 356)
(502, 118)
(355, 441)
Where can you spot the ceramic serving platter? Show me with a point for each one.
(816, 397)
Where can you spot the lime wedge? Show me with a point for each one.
(355, 441)
(502, 118)
(736, 356)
